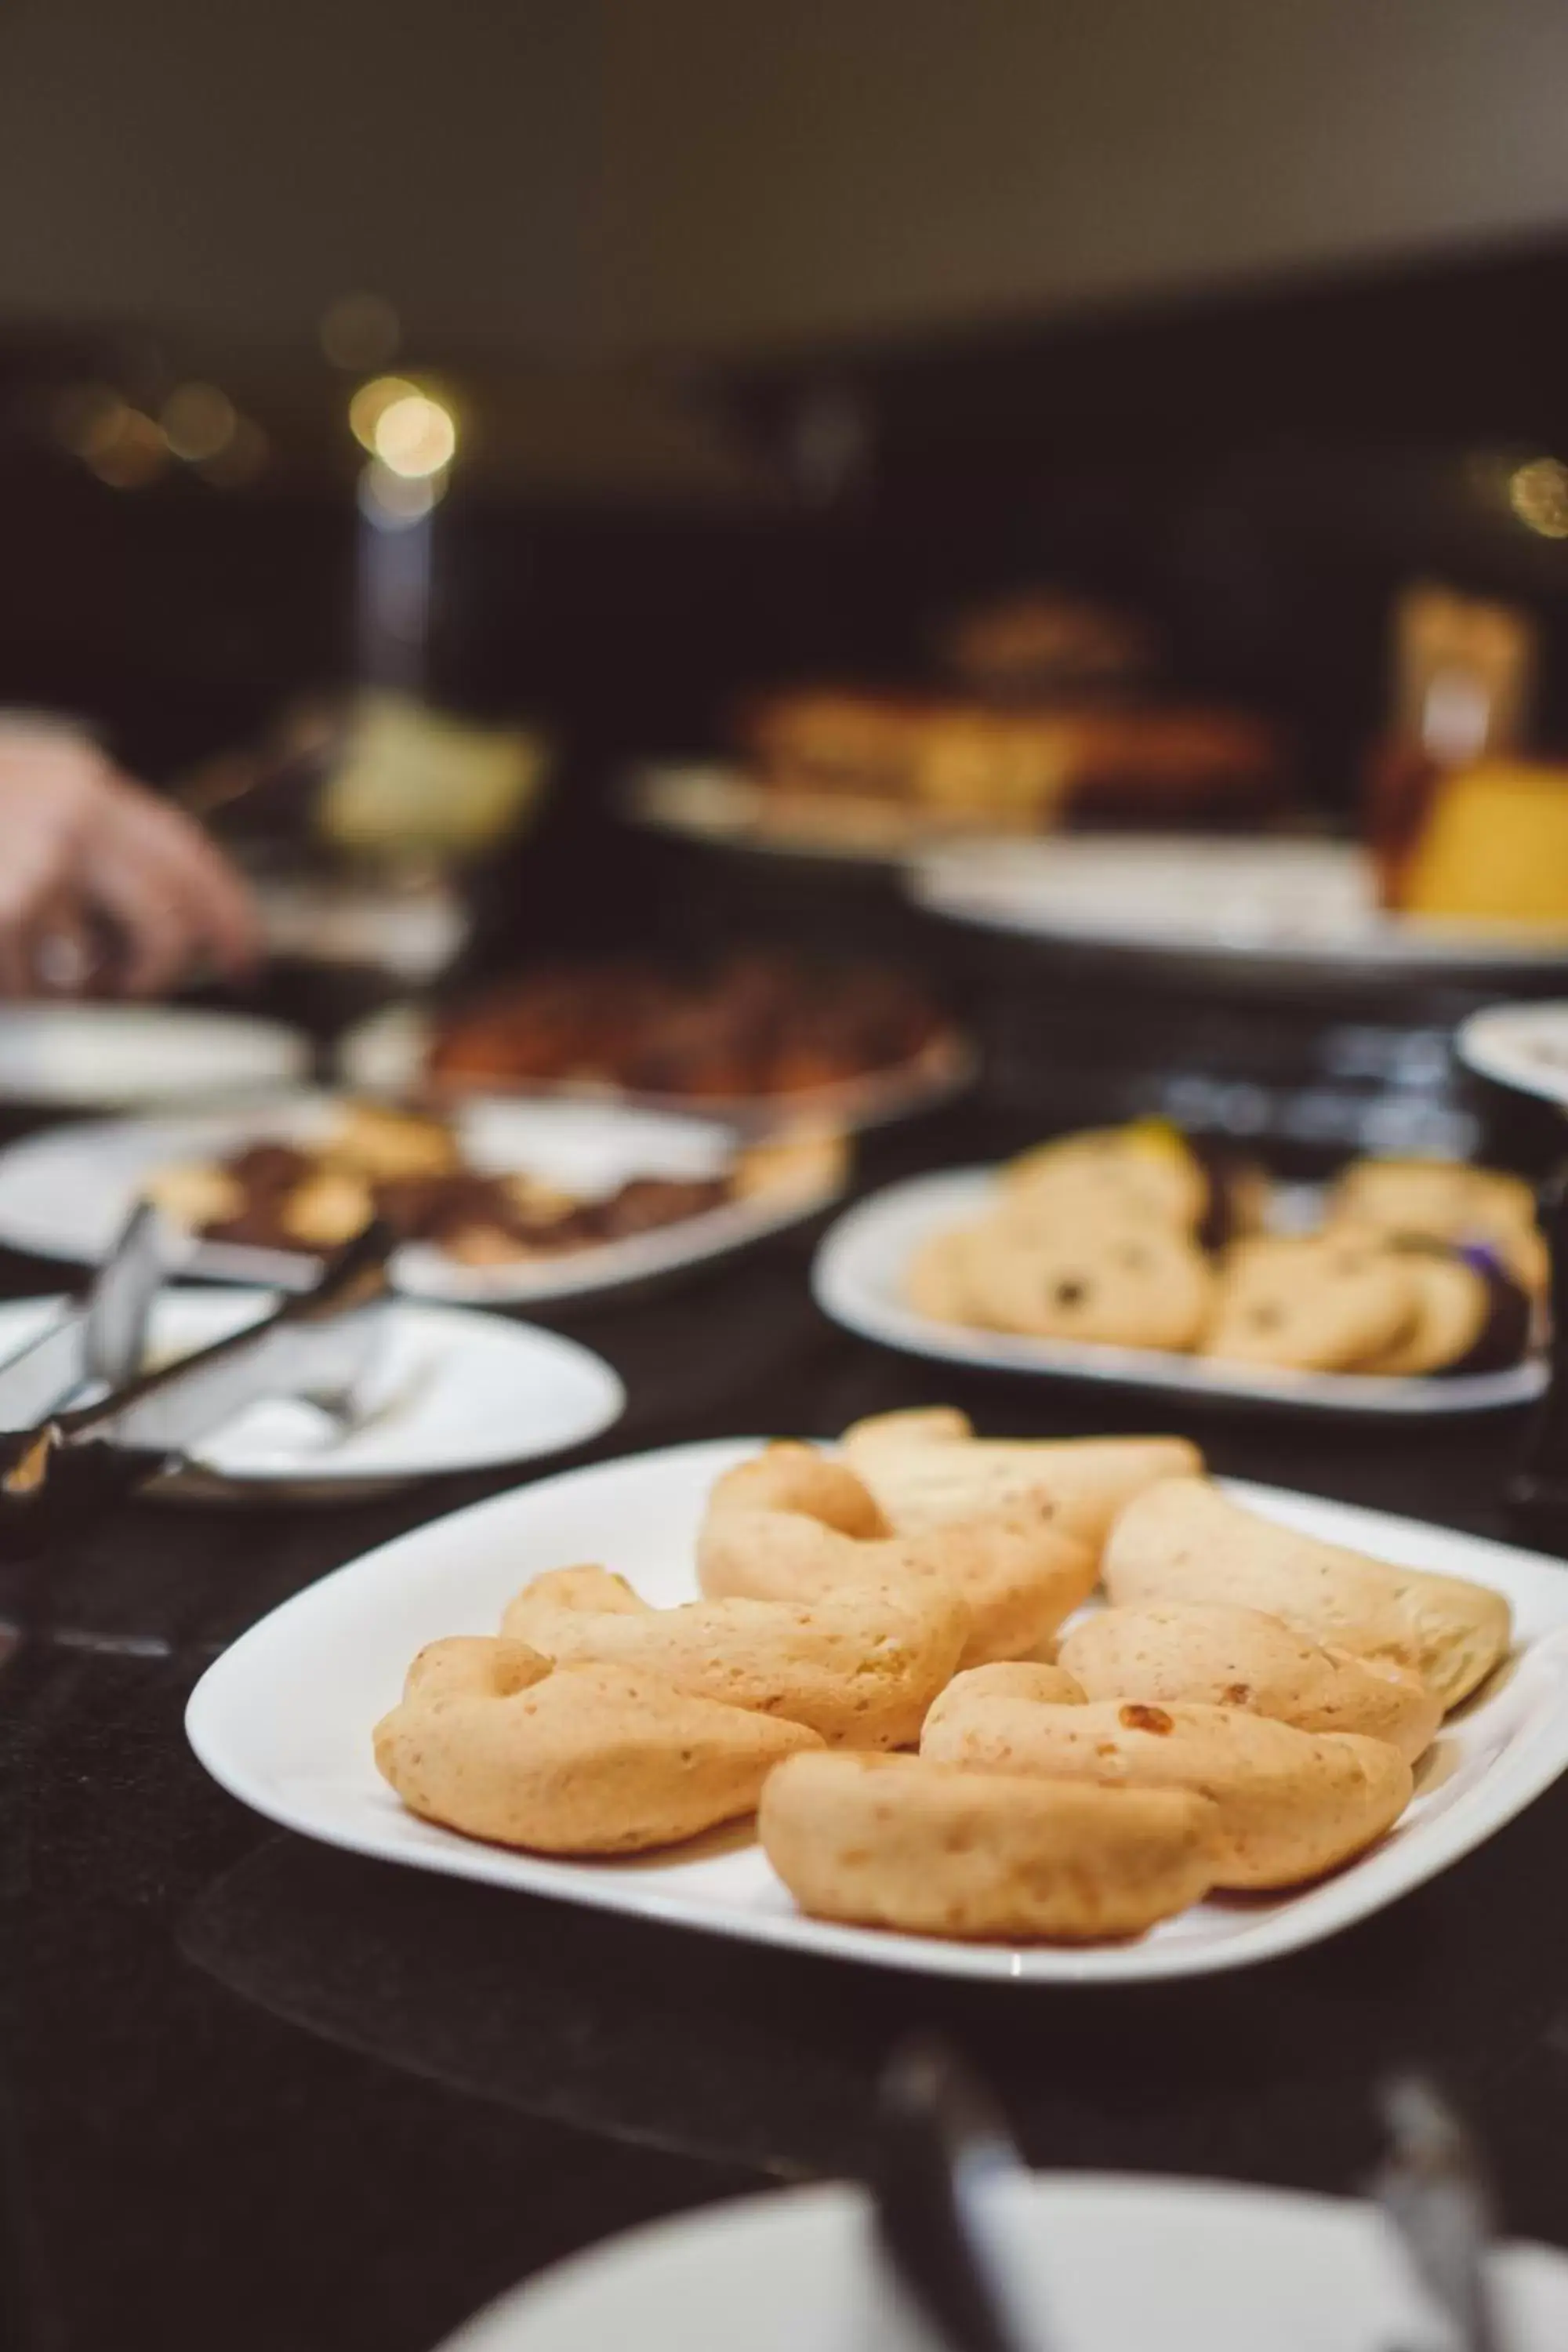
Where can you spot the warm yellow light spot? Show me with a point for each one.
(124, 447)
(415, 436)
(198, 421)
(1538, 493)
(371, 403)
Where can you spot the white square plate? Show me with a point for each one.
(283, 1720)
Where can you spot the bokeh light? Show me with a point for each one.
(198, 421)
(371, 403)
(123, 445)
(415, 436)
(1538, 493)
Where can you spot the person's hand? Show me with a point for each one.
(82, 849)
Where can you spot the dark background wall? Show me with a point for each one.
(783, 171)
(605, 174)
(1242, 308)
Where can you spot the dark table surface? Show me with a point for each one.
(257, 2091)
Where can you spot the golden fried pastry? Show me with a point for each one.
(1027, 1678)
(330, 1206)
(196, 1193)
(793, 1166)
(1446, 1200)
(927, 1468)
(1221, 1656)
(1312, 1302)
(898, 1842)
(1184, 1541)
(1292, 1803)
(491, 1740)
(793, 1525)
(380, 1143)
(797, 1485)
(1466, 1320)
(1147, 1171)
(859, 1664)
(937, 1280)
(1024, 768)
(537, 1201)
(1120, 1281)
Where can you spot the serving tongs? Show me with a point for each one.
(940, 2151)
(100, 1343)
(61, 1464)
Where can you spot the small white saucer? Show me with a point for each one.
(454, 1390)
(117, 1057)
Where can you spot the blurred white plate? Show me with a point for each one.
(385, 1054)
(707, 802)
(79, 1057)
(412, 932)
(451, 1391)
(68, 1193)
(1524, 1047)
(1101, 2263)
(858, 1278)
(1306, 901)
(284, 1720)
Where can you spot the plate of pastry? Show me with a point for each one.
(1041, 1711)
(500, 1203)
(844, 771)
(757, 1040)
(707, 802)
(1245, 903)
(1093, 2262)
(1132, 1255)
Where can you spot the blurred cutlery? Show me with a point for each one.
(1433, 2189)
(941, 2149)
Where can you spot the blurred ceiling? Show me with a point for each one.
(581, 178)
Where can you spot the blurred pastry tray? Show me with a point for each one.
(857, 1281)
(727, 809)
(385, 1054)
(67, 1192)
(1297, 907)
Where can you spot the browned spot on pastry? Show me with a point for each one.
(1070, 1293)
(1237, 1694)
(1137, 1718)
